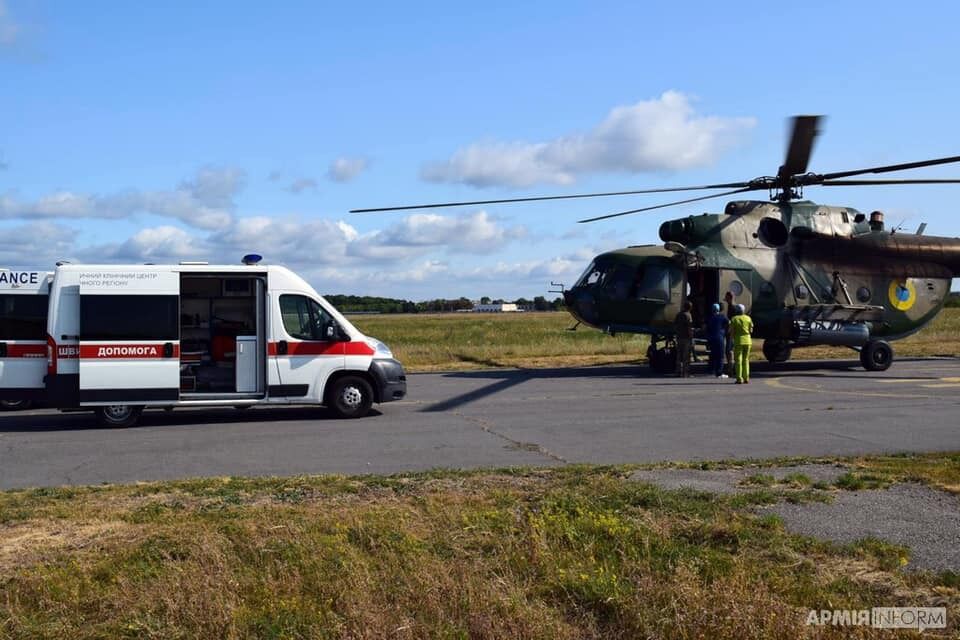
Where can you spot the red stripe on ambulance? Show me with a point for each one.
(322, 349)
(125, 351)
(26, 350)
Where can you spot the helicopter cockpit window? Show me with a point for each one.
(652, 282)
(592, 276)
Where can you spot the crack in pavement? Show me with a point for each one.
(520, 445)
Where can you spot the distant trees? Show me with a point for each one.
(374, 304)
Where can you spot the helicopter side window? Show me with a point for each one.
(653, 283)
(618, 283)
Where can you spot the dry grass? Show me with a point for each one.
(578, 552)
(471, 341)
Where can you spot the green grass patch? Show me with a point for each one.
(458, 341)
(572, 552)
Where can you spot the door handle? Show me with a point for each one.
(282, 348)
(167, 349)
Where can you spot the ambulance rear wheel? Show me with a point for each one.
(15, 405)
(118, 415)
(350, 397)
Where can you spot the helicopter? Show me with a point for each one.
(808, 274)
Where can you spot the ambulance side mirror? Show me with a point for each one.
(336, 334)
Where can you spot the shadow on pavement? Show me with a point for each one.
(508, 378)
(79, 421)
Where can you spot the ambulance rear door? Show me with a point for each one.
(129, 336)
(23, 333)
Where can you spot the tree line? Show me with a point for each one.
(374, 304)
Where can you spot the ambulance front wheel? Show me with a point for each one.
(350, 397)
(119, 415)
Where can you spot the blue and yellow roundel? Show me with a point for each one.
(902, 294)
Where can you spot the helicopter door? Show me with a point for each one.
(738, 282)
(702, 292)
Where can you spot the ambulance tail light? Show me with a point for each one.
(51, 356)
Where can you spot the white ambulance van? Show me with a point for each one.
(125, 337)
(23, 336)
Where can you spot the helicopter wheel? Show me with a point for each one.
(776, 351)
(876, 355)
(663, 360)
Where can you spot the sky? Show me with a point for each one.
(161, 132)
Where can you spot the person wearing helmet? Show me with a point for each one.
(717, 326)
(740, 329)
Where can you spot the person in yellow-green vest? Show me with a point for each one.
(741, 326)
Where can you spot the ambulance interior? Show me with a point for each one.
(221, 335)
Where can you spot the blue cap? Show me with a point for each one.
(716, 308)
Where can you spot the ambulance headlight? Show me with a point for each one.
(382, 350)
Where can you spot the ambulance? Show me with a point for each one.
(121, 338)
(23, 336)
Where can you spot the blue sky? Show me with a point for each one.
(172, 131)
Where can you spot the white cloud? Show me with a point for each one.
(306, 245)
(302, 184)
(473, 233)
(660, 134)
(36, 245)
(157, 244)
(345, 169)
(206, 202)
(9, 30)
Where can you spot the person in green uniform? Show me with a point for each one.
(740, 329)
(684, 326)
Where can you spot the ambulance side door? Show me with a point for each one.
(129, 337)
(305, 347)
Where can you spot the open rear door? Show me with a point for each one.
(129, 336)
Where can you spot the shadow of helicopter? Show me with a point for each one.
(508, 378)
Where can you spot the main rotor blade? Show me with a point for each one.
(804, 134)
(669, 204)
(864, 183)
(437, 205)
(892, 167)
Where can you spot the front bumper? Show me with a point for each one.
(391, 379)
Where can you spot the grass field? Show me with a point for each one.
(576, 552)
(471, 341)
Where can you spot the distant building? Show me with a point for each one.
(495, 308)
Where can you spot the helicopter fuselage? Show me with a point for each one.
(807, 274)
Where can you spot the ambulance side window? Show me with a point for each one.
(23, 317)
(126, 317)
(303, 318)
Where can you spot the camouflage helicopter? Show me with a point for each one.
(808, 274)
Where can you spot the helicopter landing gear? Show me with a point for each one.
(776, 351)
(662, 359)
(876, 355)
